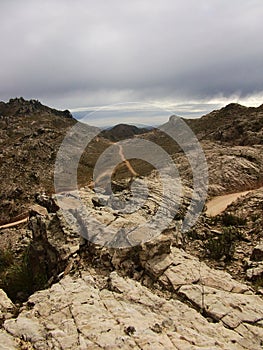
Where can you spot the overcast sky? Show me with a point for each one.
(187, 56)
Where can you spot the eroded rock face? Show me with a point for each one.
(7, 308)
(184, 269)
(233, 169)
(125, 219)
(53, 243)
(149, 296)
(122, 314)
(7, 342)
(90, 310)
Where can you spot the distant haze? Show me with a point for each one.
(188, 57)
(140, 114)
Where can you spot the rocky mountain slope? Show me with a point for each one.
(232, 140)
(234, 125)
(233, 168)
(152, 295)
(30, 136)
(32, 133)
(96, 277)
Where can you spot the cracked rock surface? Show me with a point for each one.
(151, 296)
(205, 309)
(75, 313)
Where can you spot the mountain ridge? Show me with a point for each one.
(233, 124)
(31, 134)
(70, 291)
(19, 106)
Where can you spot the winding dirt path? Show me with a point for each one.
(219, 203)
(15, 223)
(127, 163)
(123, 159)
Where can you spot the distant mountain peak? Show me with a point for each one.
(233, 106)
(123, 131)
(19, 106)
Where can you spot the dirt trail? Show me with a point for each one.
(11, 224)
(69, 203)
(219, 203)
(123, 159)
(127, 163)
(214, 207)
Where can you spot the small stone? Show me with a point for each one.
(129, 330)
(156, 328)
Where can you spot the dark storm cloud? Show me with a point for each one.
(77, 53)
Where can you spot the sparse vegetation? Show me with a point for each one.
(222, 245)
(258, 283)
(228, 219)
(232, 220)
(6, 259)
(17, 278)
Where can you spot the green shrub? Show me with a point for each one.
(6, 258)
(228, 219)
(258, 283)
(222, 245)
(18, 280)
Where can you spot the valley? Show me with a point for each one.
(113, 268)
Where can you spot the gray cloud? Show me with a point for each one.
(79, 53)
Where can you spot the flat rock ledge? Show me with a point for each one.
(90, 311)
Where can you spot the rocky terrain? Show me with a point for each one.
(232, 141)
(152, 295)
(30, 136)
(234, 154)
(233, 125)
(96, 276)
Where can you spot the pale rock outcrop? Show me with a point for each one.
(122, 314)
(171, 300)
(181, 268)
(89, 310)
(7, 308)
(255, 270)
(7, 342)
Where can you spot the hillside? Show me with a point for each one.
(232, 140)
(122, 132)
(99, 276)
(233, 125)
(30, 136)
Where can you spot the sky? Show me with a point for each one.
(184, 57)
